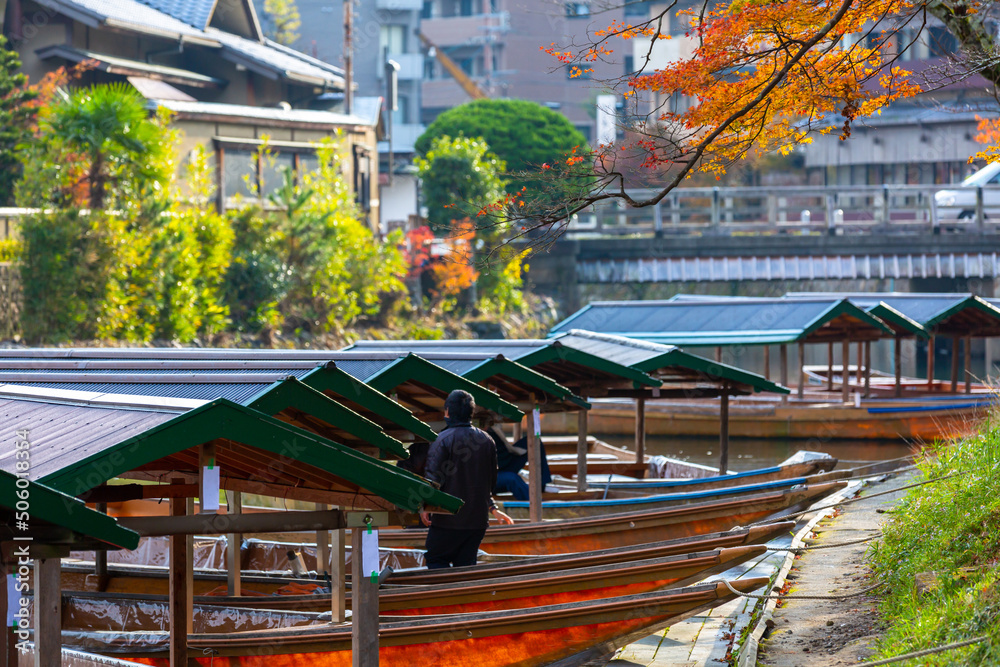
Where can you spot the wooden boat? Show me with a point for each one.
(566, 634)
(149, 612)
(627, 528)
(153, 580)
(917, 419)
(617, 502)
(757, 476)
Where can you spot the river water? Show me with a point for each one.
(747, 453)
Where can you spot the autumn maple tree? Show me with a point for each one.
(762, 76)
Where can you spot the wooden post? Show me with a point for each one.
(338, 575)
(364, 608)
(181, 601)
(724, 431)
(868, 368)
(955, 350)
(966, 365)
(783, 362)
(322, 546)
(640, 430)
(101, 559)
(930, 364)
(861, 362)
(845, 376)
(535, 485)
(829, 366)
(718, 353)
(48, 612)
(581, 450)
(767, 362)
(802, 372)
(897, 362)
(234, 543)
(9, 652)
(517, 432)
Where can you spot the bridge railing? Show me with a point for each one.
(797, 209)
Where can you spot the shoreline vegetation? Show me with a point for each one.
(939, 556)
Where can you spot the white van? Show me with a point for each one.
(961, 202)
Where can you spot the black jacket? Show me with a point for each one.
(463, 461)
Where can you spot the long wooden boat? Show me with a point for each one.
(149, 612)
(916, 419)
(565, 635)
(627, 528)
(153, 580)
(618, 502)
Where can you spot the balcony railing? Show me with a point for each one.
(463, 30)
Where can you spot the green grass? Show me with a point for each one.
(941, 528)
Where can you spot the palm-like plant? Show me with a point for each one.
(112, 128)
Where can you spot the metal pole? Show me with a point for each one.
(348, 56)
(845, 376)
(724, 431)
(640, 430)
(581, 450)
(802, 373)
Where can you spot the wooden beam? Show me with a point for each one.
(364, 608)
(829, 366)
(181, 600)
(581, 449)
(767, 362)
(640, 430)
(718, 353)
(802, 372)
(535, 485)
(868, 369)
(48, 612)
(845, 376)
(217, 524)
(9, 651)
(967, 363)
(340, 498)
(956, 343)
(724, 434)
(861, 361)
(897, 362)
(322, 546)
(234, 544)
(338, 575)
(930, 363)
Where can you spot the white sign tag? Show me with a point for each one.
(210, 488)
(369, 552)
(537, 417)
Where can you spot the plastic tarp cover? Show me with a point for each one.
(663, 467)
(255, 555)
(71, 658)
(137, 615)
(804, 456)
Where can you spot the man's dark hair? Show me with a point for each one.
(460, 406)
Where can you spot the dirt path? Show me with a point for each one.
(823, 633)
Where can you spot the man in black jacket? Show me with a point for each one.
(462, 461)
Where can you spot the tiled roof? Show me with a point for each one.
(195, 13)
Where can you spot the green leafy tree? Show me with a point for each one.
(16, 116)
(285, 21)
(459, 177)
(107, 131)
(524, 135)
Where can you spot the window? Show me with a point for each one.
(392, 39)
(468, 65)
(941, 42)
(427, 12)
(578, 71)
(629, 65)
(239, 167)
(430, 69)
(465, 8)
(586, 130)
(637, 8)
(362, 178)
(577, 9)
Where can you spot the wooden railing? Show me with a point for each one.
(766, 210)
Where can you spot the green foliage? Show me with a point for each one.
(104, 137)
(285, 21)
(459, 176)
(522, 134)
(941, 528)
(16, 116)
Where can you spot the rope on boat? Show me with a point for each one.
(858, 499)
(827, 546)
(779, 596)
(928, 651)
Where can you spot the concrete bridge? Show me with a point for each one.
(850, 235)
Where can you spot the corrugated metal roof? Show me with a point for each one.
(62, 435)
(271, 374)
(931, 310)
(363, 369)
(238, 393)
(312, 116)
(718, 321)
